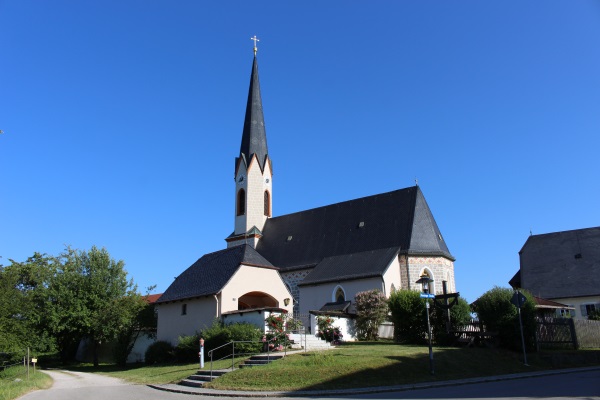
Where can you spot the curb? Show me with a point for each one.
(377, 389)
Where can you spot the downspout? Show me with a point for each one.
(217, 306)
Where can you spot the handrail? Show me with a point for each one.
(285, 335)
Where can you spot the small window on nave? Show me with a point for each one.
(340, 296)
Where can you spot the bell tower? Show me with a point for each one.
(253, 171)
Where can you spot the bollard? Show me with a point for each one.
(201, 353)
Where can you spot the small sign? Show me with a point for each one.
(518, 299)
(427, 296)
(34, 360)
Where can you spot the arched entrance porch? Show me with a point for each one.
(256, 300)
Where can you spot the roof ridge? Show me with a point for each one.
(346, 201)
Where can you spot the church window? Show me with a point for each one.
(184, 309)
(339, 295)
(241, 202)
(267, 203)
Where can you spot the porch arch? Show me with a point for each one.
(256, 300)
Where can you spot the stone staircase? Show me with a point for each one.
(298, 341)
(310, 341)
(201, 377)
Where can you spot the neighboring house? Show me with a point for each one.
(307, 259)
(563, 267)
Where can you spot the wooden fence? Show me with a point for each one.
(588, 333)
(567, 332)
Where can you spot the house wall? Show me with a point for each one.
(253, 279)
(200, 313)
(579, 303)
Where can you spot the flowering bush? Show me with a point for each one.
(327, 331)
(275, 323)
(276, 337)
(371, 310)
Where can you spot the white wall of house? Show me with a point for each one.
(580, 303)
(173, 322)
(138, 353)
(253, 279)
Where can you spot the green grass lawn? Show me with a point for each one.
(376, 364)
(14, 382)
(354, 365)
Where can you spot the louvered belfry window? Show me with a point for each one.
(267, 203)
(241, 202)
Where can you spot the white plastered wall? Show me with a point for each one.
(253, 279)
(200, 313)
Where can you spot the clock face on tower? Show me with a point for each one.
(241, 179)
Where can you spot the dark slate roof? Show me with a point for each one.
(562, 264)
(211, 272)
(351, 266)
(400, 219)
(254, 136)
(340, 306)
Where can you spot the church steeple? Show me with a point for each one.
(254, 136)
(253, 170)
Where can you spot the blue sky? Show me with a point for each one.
(122, 120)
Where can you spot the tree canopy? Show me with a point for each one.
(49, 302)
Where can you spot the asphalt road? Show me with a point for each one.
(584, 385)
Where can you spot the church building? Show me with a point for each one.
(309, 261)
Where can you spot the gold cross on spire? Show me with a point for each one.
(255, 40)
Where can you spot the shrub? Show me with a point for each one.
(408, 316)
(327, 331)
(499, 315)
(371, 310)
(594, 315)
(187, 349)
(219, 334)
(160, 352)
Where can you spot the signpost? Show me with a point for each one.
(518, 300)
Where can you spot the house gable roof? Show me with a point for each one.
(400, 219)
(562, 264)
(211, 272)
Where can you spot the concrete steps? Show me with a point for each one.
(310, 341)
(256, 361)
(199, 378)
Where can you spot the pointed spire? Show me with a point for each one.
(254, 136)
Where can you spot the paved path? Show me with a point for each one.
(69, 385)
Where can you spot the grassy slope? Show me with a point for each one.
(348, 366)
(14, 382)
(367, 365)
